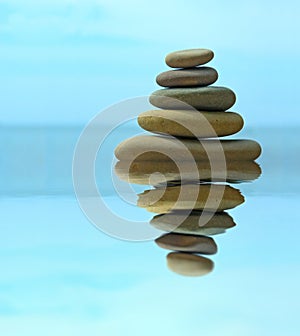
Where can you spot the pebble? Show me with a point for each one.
(196, 223)
(208, 197)
(158, 148)
(201, 76)
(189, 264)
(180, 123)
(187, 243)
(163, 172)
(209, 98)
(189, 58)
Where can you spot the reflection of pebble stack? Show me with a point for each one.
(190, 85)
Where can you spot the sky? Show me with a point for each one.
(63, 61)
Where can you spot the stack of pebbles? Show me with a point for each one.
(192, 112)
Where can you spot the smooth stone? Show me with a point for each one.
(201, 76)
(163, 172)
(208, 197)
(185, 123)
(209, 98)
(187, 243)
(196, 223)
(189, 58)
(161, 148)
(189, 264)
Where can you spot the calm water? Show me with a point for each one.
(60, 275)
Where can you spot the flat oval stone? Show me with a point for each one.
(159, 148)
(189, 58)
(208, 197)
(210, 98)
(162, 172)
(180, 123)
(196, 223)
(201, 76)
(187, 243)
(189, 264)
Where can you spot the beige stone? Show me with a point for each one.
(196, 223)
(189, 58)
(159, 148)
(209, 98)
(187, 243)
(185, 123)
(208, 197)
(189, 264)
(200, 76)
(162, 172)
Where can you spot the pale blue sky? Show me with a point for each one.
(62, 61)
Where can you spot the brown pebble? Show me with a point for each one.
(201, 76)
(163, 172)
(189, 264)
(196, 223)
(159, 148)
(187, 243)
(208, 197)
(184, 123)
(208, 98)
(189, 58)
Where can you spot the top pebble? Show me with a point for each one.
(189, 58)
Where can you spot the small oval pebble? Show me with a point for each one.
(187, 243)
(189, 58)
(209, 98)
(208, 197)
(189, 264)
(196, 223)
(201, 76)
(181, 122)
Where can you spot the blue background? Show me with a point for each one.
(63, 61)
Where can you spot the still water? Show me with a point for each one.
(61, 275)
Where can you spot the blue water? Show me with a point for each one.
(62, 276)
